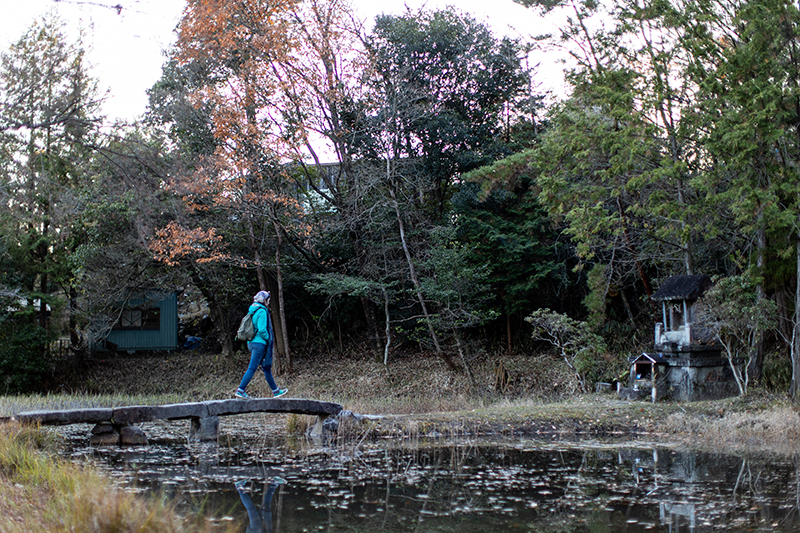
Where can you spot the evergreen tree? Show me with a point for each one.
(499, 216)
(47, 119)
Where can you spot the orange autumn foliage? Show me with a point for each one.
(175, 242)
(238, 40)
(241, 40)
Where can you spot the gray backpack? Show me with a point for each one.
(247, 330)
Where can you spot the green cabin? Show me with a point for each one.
(146, 321)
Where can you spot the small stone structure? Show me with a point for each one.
(686, 364)
(115, 425)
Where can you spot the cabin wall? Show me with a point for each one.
(163, 338)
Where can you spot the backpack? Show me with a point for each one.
(246, 331)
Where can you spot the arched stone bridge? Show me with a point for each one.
(204, 416)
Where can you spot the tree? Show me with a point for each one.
(197, 236)
(581, 349)
(748, 69)
(24, 365)
(335, 286)
(47, 119)
(441, 83)
(188, 125)
(458, 288)
(121, 207)
(623, 160)
(438, 85)
(318, 88)
(499, 216)
(737, 317)
(700, 158)
(620, 156)
(234, 48)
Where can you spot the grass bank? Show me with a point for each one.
(412, 383)
(419, 395)
(42, 492)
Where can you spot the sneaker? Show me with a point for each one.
(277, 480)
(242, 394)
(240, 485)
(278, 393)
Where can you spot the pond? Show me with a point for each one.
(465, 485)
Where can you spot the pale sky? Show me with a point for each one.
(126, 49)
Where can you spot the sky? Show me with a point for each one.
(126, 47)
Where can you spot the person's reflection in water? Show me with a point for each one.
(260, 518)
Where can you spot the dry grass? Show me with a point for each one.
(44, 493)
(412, 383)
(775, 429)
(20, 506)
(418, 384)
(422, 383)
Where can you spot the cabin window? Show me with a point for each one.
(131, 318)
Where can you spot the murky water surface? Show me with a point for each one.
(465, 485)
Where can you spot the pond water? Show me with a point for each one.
(464, 485)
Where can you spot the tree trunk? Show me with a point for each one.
(274, 312)
(794, 388)
(370, 315)
(224, 328)
(627, 305)
(262, 281)
(219, 314)
(784, 320)
(43, 322)
(508, 333)
(74, 338)
(251, 179)
(471, 377)
(639, 268)
(417, 285)
(281, 307)
(388, 327)
(756, 366)
(341, 337)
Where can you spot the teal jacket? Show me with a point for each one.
(261, 322)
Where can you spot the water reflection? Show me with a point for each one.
(468, 486)
(259, 517)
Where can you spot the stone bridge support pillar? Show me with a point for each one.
(110, 434)
(316, 431)
(204, 429)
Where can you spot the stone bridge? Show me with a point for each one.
(116, 424)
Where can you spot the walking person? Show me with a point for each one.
(260, 347)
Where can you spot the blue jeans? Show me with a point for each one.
(258, 352)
